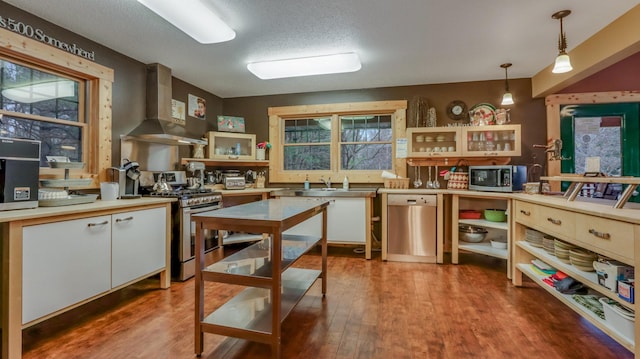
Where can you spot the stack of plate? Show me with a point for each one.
(548, 243)
(582, 259)
(562, 249)
(533, 237)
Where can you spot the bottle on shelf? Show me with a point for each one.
(306, 183)
(345, 183)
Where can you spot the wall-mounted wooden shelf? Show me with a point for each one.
(226, 163)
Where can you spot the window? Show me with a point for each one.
(43, 106)
(366, 142)
(59, 98)
(333, 141)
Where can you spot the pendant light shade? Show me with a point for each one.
(563, 62)
(507, 98)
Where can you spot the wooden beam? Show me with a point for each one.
(617, 41)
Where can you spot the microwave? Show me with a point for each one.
(506, 178)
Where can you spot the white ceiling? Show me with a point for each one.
(400, 42)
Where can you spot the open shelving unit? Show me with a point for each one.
(606, 234)
(273, 285)
(481, 200)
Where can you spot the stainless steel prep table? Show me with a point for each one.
(274, 287)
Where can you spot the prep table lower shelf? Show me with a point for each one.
(251, 310)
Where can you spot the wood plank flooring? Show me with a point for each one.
(373, 309)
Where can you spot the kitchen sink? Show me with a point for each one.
(325, 192)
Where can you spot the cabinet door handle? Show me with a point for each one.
(526, 213)
(602, 235)
(554, 221)
(118, 220)
(97, 224)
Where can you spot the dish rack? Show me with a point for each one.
(51, 196)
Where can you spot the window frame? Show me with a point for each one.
(277, 116)
(98, 84)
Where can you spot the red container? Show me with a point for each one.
(469, 214)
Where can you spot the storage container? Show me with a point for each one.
(620, 321)
(626, 289)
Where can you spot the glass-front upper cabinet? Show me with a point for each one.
(491, 141)
(231, 146)
(434, 141)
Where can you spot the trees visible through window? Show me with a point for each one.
(333, 141)
(42, 106)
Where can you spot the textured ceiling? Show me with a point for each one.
(400, 42)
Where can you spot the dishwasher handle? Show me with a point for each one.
(411, 200)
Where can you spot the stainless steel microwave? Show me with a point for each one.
(506, 178)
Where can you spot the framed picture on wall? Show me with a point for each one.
(230, 124)
(178, 111)
(197, 107)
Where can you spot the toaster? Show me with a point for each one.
(234, 182)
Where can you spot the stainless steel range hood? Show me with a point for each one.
(159, 126)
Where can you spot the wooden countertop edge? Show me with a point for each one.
(99, 205)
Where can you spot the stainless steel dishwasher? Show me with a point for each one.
(411, 228)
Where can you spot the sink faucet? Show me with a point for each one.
(327, 182)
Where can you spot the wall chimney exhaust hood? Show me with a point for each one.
(159, 126)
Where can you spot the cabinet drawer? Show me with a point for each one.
(556, 222)
(525, 213)
(607, 236)
(549, 220)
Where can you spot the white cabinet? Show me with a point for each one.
(137, 244)
(67, 262)
(64, 263)
(346, 220)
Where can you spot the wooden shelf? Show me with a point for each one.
(484, 248)
(226, 163)
(577, 182)
(575, 306)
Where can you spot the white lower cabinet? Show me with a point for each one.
(137, 244)
(346, 220)
(67, 262)
(64, 263)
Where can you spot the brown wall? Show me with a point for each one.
(129, 87)
(528, 112)
(130, 81)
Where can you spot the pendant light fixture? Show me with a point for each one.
(563, 63)
(507, 98)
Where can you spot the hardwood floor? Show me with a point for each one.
(373, 309)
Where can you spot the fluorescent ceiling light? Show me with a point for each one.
(306, 66)
(40, 91)
(194, 18)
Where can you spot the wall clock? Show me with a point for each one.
(457, 110)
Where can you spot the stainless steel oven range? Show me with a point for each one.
(190, 201)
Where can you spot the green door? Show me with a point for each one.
(608, 133)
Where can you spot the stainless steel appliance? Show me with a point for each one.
(501, 178)
(232, 179)
(190, 202)
(19, 173)
(127, 178)
(412, 228)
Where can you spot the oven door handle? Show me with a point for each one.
(191, 211)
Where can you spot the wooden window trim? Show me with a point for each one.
(554, 102)
(397, 110)
(99, 83)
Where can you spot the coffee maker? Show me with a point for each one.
(127, 176)
(19, 173)
(195, 179)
